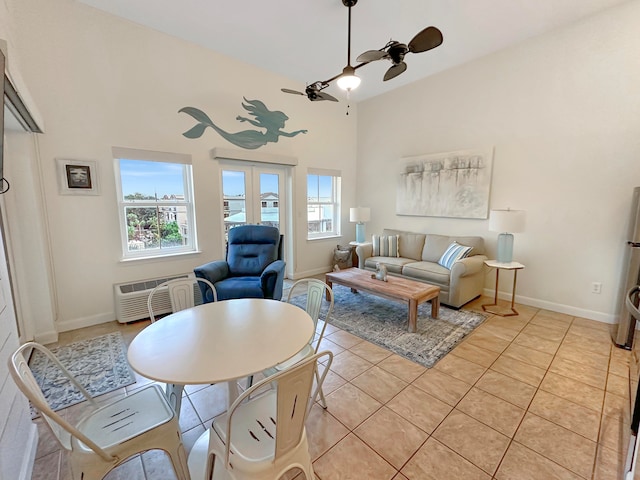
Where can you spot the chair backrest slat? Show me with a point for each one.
(293, 403)
(294, 391)
(317, 291)
(181, 294)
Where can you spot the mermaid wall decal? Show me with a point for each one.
(272, 121)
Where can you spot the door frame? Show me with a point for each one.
(252, 170)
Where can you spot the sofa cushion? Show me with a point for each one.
(429, 272)
(393, 264)
(453, 253)
(410, 244)
(385, 245)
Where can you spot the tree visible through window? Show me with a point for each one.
(156, 207)
(323, 205)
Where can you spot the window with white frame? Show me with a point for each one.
(155, 203)
(323, 203)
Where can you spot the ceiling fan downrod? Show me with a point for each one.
(349, 4)
(348, 80)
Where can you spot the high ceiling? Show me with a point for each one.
(306, 40)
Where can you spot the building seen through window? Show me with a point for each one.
(323, 205)
(156, 207)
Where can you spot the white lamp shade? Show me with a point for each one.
(359, 214)
(507, 221)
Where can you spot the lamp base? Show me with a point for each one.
(360, 235)
(505, 248)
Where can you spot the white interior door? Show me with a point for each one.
(253, 194)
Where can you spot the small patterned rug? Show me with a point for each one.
(99, 364)
(385, 322)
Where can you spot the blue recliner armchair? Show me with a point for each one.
(253, 269)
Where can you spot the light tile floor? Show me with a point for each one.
(541, 395)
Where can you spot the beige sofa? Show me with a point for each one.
(418, 260)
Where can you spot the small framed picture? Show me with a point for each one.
(78, 177)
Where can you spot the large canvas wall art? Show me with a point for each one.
(451, 184)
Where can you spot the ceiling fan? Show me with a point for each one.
(395, 51)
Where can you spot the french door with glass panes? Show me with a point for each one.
(253, 194)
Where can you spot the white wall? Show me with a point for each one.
(99, 82)
(563, 113)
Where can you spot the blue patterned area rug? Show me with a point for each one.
(99, 364)
(385, 322)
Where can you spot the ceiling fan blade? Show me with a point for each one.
(371, 56)
(425, 40)
(394, 71)
(325, 96)
(295, 92)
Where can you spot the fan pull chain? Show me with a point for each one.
(348, 102)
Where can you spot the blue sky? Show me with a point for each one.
(159, 178)
(151, 178)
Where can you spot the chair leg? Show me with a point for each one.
(323, 401)
(179, 461)
(309, 473)
(89, 467)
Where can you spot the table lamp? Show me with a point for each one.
(506, 222)
(360, 215)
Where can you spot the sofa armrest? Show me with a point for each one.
(213, 271)
(468, 266)
(272, 279)
(363, 251)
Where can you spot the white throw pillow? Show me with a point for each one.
(385, 245)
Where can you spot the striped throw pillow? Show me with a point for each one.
(454, 252)
(385, 245)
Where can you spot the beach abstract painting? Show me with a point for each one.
(451, 184)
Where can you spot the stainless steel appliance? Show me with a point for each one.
(623, 334)
(634, 439)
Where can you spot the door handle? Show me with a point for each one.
(633, 310)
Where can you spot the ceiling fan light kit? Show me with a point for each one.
(348, 80)
(394, 51)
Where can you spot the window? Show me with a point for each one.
(323, 204)
(155, 202)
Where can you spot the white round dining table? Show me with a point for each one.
(220, 341)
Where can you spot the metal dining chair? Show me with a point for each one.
(181, 296)
(262, 435)
(110, 432)
(317, 291)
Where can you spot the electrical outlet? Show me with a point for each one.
(596, 287)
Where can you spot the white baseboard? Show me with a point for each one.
(555, 307)
(46, 338)
(66, 325)
(310, 273)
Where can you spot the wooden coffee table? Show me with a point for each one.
(395, 288)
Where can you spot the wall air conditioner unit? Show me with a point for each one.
(131, 298)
